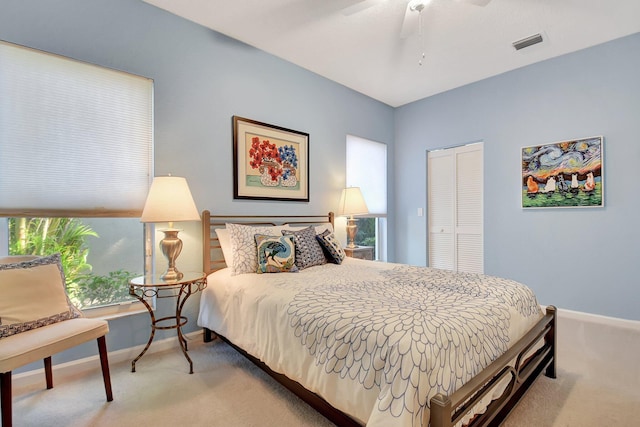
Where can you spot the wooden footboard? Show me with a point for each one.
(446, 411)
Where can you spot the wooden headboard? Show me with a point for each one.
(212, 257)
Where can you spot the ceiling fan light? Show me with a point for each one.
(418, 5)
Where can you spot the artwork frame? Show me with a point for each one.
(269, 162)
(564, 174)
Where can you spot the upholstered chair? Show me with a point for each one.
(37, 320)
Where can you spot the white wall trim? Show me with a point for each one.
(597, 318)
(93, 362)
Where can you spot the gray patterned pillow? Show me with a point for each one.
(332, 246)
(243, 246)
(308, 250)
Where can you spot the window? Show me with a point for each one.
(99, 255)
(76, 152)
(367, 169)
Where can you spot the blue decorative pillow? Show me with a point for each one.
(308, 250)
(331, 246)
(276, 254)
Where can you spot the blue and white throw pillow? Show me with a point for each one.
(331, 246)
(276, 254)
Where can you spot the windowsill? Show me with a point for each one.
(115, 311)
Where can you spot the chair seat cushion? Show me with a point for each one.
(36, 344)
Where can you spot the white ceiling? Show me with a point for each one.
(364, 50)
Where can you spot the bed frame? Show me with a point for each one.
(445, 411)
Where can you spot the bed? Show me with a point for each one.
(366, 342)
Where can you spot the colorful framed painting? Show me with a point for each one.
(563, 174)
(270, 162)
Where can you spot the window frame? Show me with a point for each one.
(130, 88)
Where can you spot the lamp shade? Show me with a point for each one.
(169, 200)
(352, 202)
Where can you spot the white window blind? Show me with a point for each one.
(75, 138)
(367, 169)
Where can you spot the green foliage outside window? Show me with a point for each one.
(366, 235)
(91, 290)
(67, 236)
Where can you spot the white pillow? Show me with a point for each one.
(33, 295)
(321, 228)
(225, 244)
(243, 246)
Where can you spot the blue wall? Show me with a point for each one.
(579, 259)
(201, 80)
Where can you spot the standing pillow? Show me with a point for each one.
(243, 246)
(276, 254)
(308, 250)
(33, 295)
(324, 227)
(319, 228)
(332, 247)
(225, 245)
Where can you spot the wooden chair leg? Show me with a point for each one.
(104, 363)
(5, 398)
(48, 372)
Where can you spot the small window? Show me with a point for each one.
(366, 162)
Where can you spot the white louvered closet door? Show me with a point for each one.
(454, 205)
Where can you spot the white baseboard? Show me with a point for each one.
(599, 347)
(614, 322)
(93, 362)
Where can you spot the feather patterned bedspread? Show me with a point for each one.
(376, 340)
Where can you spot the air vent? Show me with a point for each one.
(529, 41)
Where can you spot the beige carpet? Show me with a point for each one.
(227, 390)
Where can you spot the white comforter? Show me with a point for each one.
(376, 340)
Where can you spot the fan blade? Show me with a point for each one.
(360, 6)
(410, 23)
(476, 2)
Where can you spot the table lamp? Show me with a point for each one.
(352, 203)
(169, 200)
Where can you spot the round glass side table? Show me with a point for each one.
(152, 286)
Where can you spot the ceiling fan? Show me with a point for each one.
(412, 21)
(412, 13)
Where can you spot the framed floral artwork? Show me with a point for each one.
(270, 162)
(563, 174)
